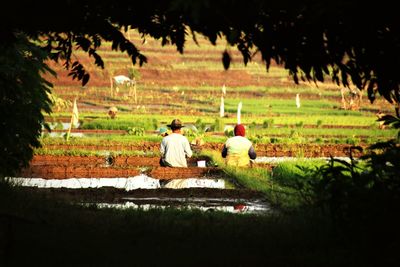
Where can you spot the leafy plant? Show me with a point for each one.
(155, 123)
(229, 131)
(200, 126)
(356, 191)
(294, 134)
(138, 131)
(121, 124)
(218, 125)
(197, 134)
(299, 124)
(268, 123)
(134, 74)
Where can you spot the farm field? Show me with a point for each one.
(317, 191)
(189, 87)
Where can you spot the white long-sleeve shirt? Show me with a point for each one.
(174, 150)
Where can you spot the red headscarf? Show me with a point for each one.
(239, 130)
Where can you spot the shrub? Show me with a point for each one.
(228, 131)
(268, 123)
(189, 132)
(252, 125)
(274, 140)
(155, 124)
(294, 134)
(119, 124)
(319, 140)
(200, 125)
(137, 131)
(218, 125)
(356, 193)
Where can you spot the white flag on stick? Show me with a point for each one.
(74, 120)
(75, 115)
(223, 90)
(221, 108)
(238, 112)
(298, 100)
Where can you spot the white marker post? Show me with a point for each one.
(238, 112)
(74, 119)
(298, 100)
(221, 107)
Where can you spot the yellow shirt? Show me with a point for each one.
(237, 151)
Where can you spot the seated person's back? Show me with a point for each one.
(238, 150)
(175, 147)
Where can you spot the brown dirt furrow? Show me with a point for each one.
(148, 147)
(117, 161)
(66, 160)
(65, 172)
(304, 150)
(87, 171)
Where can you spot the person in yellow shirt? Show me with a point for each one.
(238, 150)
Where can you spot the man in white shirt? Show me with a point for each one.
(175, 147)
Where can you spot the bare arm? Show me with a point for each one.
(188, 150)
(162, 148)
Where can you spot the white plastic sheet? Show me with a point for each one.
(131, 183)
(195, 183)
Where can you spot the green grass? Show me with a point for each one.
(265, 105)
(357, 120)
(43, 231)
(49, 232)
(120, 124)
(350, 133)
(106, 140)
(263, 136)
(255, 178)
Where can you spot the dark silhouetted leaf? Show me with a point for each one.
(226, 60)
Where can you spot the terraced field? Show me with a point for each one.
(188, 86)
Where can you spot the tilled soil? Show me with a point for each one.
(65, 172)
(63, 167)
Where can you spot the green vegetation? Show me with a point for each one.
(313, 231)
(175, 236)
(24, 96)
(335, 214)
(109, 124)
(278, 119)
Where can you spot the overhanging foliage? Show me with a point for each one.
(355, 44)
